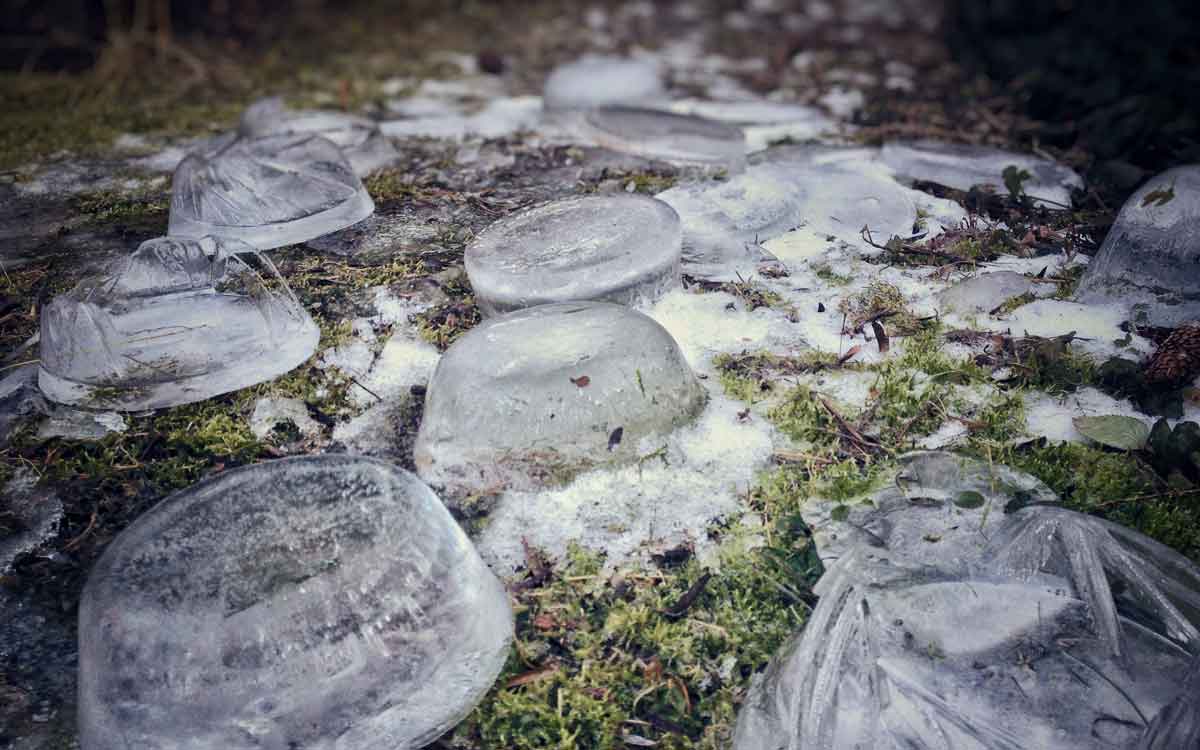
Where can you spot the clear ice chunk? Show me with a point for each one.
(176, 321)
(598, 81)
(667, 136)
(360, 139)
(961, 609)
(961, 167)
(985, 292)
(617, 248)
(1150, 260)
(324, 602)
(534, 396)
(267, 192)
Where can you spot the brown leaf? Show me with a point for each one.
(534, 676)
(849, 353)
(545, 621)
(881, 336)
(581, 381)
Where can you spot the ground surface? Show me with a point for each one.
(652, 644)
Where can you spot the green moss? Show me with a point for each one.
(1014, 302)
(825, 272)
(880, 300)
(107, 206)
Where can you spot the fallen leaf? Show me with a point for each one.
(881, 337)
(1115, 431)
(582, 381)
(534, 676)
(849, 353)
(615, 438)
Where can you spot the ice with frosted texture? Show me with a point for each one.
(961, 609)
(323, 602)
(985, 292)
(596, 81)
(961, 166)
(1151, 256)
(177, 321)
(360, 139)
(618, 248)
(664, 135)
(536, 394)
(267, 191)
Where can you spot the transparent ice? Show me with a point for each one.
(664, 135)
(176, 321)
(324, 602)
(985, 292)
(533, 396)
(1151, 257)
(596, 81)
(960, 608)
(360, 140)
(618, 248)
(267, 192)
(961, 166)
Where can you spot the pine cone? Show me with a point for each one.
(1177, 359)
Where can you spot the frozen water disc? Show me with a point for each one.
(596, 81)
(667, 136)
(360, 139)
(620, 248)
(323, 602)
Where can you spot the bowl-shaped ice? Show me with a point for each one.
(323, 602)
(267, 192)
(596, 81)
(618, 248)
(532, 397)
(364, 146)
(667, 136)
(1150, 259)
(177, 321)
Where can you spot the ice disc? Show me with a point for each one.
(667, 136)
(360, 140)
(596, 81)
(533, 396)
(619, 248)
(177, 321)
(268, 192)
(323, 602)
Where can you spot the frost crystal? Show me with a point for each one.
(177, 321)
(537, 395)
(619, 248)
(960, 610)
(323, 602)
(267, 192)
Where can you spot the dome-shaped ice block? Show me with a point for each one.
(177, 321)
(596, 81)
(667, 136)
(360, 139)
(323, 602)
(618, 248)
(1151, 256)
(533, 396)
(959, 610)
(267, 192)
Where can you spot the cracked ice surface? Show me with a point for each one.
(960, 608)
(321, 601)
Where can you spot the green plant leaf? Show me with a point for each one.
(1014, 179)
(1115, 431)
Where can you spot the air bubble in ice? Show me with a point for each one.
(618, 248)
(960, 608)
(177, 321)
(360, 140)
(1151, 256)
(596, 81)
(666, 136)
(267, 192)
(324, 602)
(961, 166)
(533, 396)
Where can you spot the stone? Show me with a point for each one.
(320, 602)
(80, 424)
(360, 139)
(961, 167)
(534, 396)
(617, 248)
(176, 321)
(270, 413)
(597, 81)
(985, 292)
(1149, 263)
(268, 192)
(961, 608)
(666, 136)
